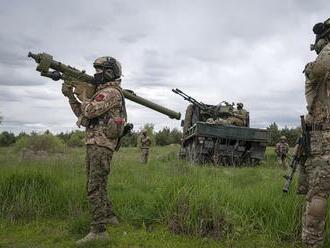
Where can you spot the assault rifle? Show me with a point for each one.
(84, 84)
(300, 153)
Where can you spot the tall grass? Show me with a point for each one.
(203, 201)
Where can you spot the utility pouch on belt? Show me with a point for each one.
(115, 128)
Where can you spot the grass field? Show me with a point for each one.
(167, 203)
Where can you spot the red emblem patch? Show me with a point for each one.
(99, 97)
(120, 121)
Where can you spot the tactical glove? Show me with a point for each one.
(67, 90)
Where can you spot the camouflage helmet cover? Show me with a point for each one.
(283, 137)
(108, 63)
(144, 131)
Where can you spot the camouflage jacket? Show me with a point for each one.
(106, 115)
(145, 142)
(282, 148)
(317, 87)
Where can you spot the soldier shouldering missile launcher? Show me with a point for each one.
(99, 104)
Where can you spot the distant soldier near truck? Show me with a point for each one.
(145, 143)
(282, 150)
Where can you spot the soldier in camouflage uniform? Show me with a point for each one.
(238, 118)
(317, 166)
(282, 150)
(145, 145)
(104, 116)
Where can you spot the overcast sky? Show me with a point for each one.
(239, 51)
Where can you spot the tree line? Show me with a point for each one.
(162, 137)
(165, 136)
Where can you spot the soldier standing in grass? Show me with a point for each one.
(104, 116)
(145, 143)
(317, 166)
(282, 150)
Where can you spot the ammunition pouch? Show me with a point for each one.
(114, 129)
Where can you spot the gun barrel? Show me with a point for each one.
(170, 113)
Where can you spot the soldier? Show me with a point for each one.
(145, 143)
(241, 114)
(239, 117)
(282, 149)
(317, 166)
(104, 116)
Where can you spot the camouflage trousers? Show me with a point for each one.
(317, 169)
(144, 155)
(97, 169)
(281, 161)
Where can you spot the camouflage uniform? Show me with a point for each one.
(317, 166)
(282, 149)
(106, 114)
(145, 145)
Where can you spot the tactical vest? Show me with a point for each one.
(317, 87)
(145, 142)
(282, 148)
(113, 125)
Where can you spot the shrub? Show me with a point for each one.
(76, 139)
(42, 142)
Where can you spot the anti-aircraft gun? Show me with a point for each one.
(199, 111)
(220, 134)
(83, 84)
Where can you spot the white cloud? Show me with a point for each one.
(249, 51)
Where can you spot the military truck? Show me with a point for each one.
(220, 134)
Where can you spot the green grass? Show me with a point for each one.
(167, 203)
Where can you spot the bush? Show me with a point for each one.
(76, 139)
(166, 136)
(42, 142)
(7, 139)
(130, 140)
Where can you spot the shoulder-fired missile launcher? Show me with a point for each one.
(83, 83)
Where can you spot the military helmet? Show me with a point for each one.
(240, 105)
(144, 131)
(283, 137)
(322, 32)
(107, 63)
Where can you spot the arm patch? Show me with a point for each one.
(99, 97)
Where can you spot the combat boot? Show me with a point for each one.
(91, 236)
(302, 190)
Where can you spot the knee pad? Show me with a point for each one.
(317, 207)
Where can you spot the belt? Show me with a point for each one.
(318, 126)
